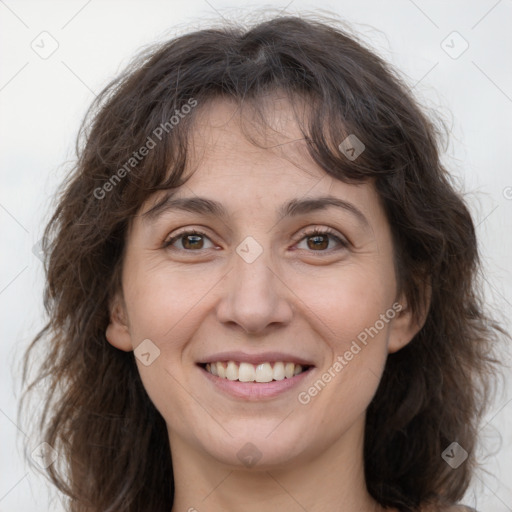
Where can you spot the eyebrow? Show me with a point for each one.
(210, 207)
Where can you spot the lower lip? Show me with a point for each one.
(255, 390)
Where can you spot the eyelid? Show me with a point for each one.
(170, 239)
(320, 230)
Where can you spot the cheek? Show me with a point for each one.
(165, 306)
(344, 387)
(353, 308)
(162, 301)
(347, 301)
(164, 383)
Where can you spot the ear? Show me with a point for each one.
(405, 324)
(118, 332)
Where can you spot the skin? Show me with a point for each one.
(294, 298)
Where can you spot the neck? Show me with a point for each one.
(330, 481)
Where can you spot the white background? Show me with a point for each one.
(43, 100)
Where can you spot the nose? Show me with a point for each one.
(255, 297)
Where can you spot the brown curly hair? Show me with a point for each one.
(114, 447)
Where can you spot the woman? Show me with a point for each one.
(261, 287)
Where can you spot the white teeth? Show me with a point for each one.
(279, 371)
(232, 371)
(264, 373)
(247, 372)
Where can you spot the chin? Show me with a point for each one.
(261, 448)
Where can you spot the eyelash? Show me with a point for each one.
(306, 234)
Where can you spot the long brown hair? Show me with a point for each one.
(113, 443)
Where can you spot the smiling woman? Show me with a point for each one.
(275, 306)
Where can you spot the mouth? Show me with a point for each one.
(254, 377)
(260, 373)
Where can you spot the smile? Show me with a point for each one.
(248, 372)
(275, 379)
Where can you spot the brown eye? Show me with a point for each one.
(188, 241)
(192, 241)
(318, 240)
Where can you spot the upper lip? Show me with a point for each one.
(263, 357)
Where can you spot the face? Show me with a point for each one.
(274, 278)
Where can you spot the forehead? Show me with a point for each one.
(259, 134)
(256, 159)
